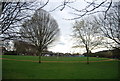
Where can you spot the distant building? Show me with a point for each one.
(24, 48)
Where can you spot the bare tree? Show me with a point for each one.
(41, 30)
(92, 7)
(86, 34)
(111, 25)
(12, 13)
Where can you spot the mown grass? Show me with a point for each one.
(35, 58)
(32, 70)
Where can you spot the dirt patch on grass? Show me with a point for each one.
(60, 61)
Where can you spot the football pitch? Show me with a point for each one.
(27, 67)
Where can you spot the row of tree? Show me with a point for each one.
(27, 49)
(114, 53)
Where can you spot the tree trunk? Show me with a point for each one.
(40, 58)
(87, 59)
(87, 54)
(39, 53)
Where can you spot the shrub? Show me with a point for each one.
(10, 53)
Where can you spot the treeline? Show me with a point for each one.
(10, 53)
(115, 53)
(45, 53)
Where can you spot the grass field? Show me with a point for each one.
(12, 69)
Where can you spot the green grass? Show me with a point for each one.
(35, 58)
(32, 70)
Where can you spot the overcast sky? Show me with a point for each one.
(65, 42)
